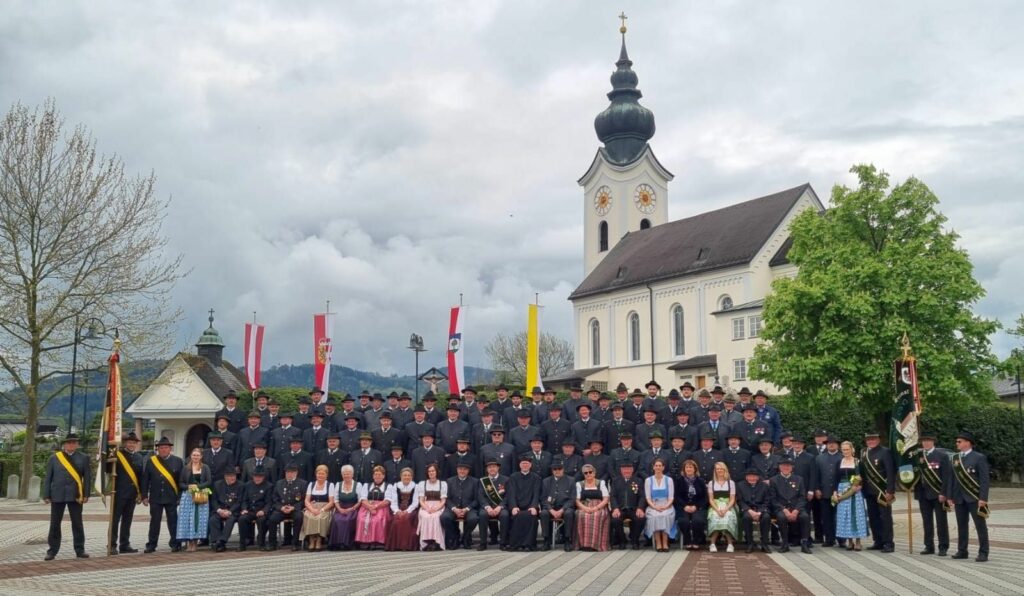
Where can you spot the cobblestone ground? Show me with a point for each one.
(23, 529)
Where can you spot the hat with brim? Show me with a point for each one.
(966, 436)
(366, 436)
(652, 383)
(463, 464)
(637, 393)
(72, 438)
(497, 428)
(524, 414)
(163, 442)
(752, 472)
(687, 385)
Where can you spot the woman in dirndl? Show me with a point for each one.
(722, 517)
(431, 495)
(402, 497)
(194, 517)
(346, 508)
(374, 512)
(591, 511)
(319, 506)
(851, 518)
(661, 512)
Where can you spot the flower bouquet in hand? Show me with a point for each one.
(855, 482)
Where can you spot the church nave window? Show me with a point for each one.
(602, 236)
(678, 339)
(595, 343)
(634, 336)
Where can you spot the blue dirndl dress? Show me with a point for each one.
(193, 520)
(851, 514)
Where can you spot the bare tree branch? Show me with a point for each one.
(508, 354)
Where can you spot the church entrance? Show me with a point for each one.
(195, 437)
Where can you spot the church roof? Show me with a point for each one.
(705, 361)
(220, 379)
(717, 239)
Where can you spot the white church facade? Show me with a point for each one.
(672, 301)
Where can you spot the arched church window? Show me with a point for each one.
(678, 341)
(602, 235)
(634, 336)
(595, 343)
(645, 223)
(725, 302)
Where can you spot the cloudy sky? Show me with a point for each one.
(389, 156)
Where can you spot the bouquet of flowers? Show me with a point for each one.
(855, 481)
(200, 496)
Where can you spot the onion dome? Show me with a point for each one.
(625, 126)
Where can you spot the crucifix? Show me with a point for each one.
(623, 17)
(211, 317)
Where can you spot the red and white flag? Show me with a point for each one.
(253, 354)
(322, 350)
(456, 374)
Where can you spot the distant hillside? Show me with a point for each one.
(349, 380)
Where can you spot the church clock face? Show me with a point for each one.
(603, 200)
(644, 198)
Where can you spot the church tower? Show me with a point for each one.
(626, 188)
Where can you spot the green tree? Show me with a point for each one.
(877, 264)
(1015, 361)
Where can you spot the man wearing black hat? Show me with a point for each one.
(403, 414)
(217, 458)
(451, 429)
(272, 419)
(558, 499)
(500, 451)
(260, 459)
(751, 429)
(572, 461)
(699, 412)
(225, 507)
(387, 436)
(491, 497)
(414, 429)
(364, 459)
(789, 501)
(648, 427)
(585, 429)
(349, 434)
(634, 410)
(768, 415)
(627, 503)
(686, 391)
(160, 492)
(316, 403)
(600, 460)
(394, 465)
(230, 439)
(302, 459)
(523, 503)
(301, 418)
(257, 499)
(555, 430)
(932, 491)
(481, 433)
(461, 506)
(522, 433)
(512, 414)
(603, 411)
(371, 415)
(970, 496)
(501, 401)
(879, 490)
(314, 438)
(541, 409)
(575, 399)
(431, 414)
(461, 455)
(707, 456)
(736, 458)
(254, 433)
(731, 415)
(755, 508)
(715, 426)
(826, 479)
(127, 493)
(615, 427)
(682, 428)
(348, 408)
(667, 416)
(286, 505)
(427, 453)
(765, 459)
(652, 401)
(281, 437)
(235, 416)
(541, 458)
(66, 486)
(332, 457)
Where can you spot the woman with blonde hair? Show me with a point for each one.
(661, 513)
(316, 516)
(851, 516)
(346, 507)
(193, 506)
(722, 517)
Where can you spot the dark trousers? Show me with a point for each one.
(765, 524)
(880, 520)
(220, 528)
(963, 530)
(279, 516)
(618, 527)
(252, 528)
(485, 520)
(692, 526)
(802, 519)
(826, 512)
(933, 517)
(156, 513)
(814, 508)
(451, 527)
(568, 525)
(77, 529)
(124, 511)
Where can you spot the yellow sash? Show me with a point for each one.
(167, 475)
(131, 472)
(73, 473)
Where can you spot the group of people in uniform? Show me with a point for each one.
(598, 471)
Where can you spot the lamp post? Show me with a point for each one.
(1017, 356)
(90, 327)
(416, 345)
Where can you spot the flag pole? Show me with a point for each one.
(111, 456)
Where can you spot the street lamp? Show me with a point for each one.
(416, 345)
(1017, 356)
(91, 328)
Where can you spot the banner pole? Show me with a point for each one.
(910, 524)
(111, 539)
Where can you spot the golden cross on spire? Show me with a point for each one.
(905, 346)
(623, 17)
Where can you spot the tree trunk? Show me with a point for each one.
(29, 448)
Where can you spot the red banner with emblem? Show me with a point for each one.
(322, 350)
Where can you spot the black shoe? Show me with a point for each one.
(927, 551)
(532, 549)
(175, 549)
(546, 547)
(219, 548)
(784, 548)
(297, 546)
(942, 552)
(829, 543)
(888, 548)
(750, 548)
(765, 548)
(567, 547)
(805, 549)
(981, 558)
(776, 542)
(507, 548)
(959, 555)
(483, 546)
(149, 549)
(49, 557)
(82, 555)
(242, 547)
(874, 547)
(636, 547)
(129, 550)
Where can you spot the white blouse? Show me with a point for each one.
(600, 484)
(437, 485)
(392, 496)
(329, 488)
(363, 490)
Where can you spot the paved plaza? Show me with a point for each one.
(827, 571)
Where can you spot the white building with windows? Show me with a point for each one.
(672, 301)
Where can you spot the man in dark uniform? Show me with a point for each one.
(127, 493)
(431, 414)
(257, 498)
(523, 503)
(879, 485)
(627, 504)
(615, 427)
(523, 433)
(403, 415)
(316, 401)
(225, 507)
(736, 458)
(715, 426)
(826, 469)
(281, 437)
(387, 436)
(765, 460)
(468, 409)
(235, 416)
(501, 402)
(652, 401)
(575, 399)
(451, 429)
(803, 466)
(600, 460)
(657, 452)
(789, 501)
(586, 429)
(286, 505)
(752, 429)
(160, 493)
(371, 416)
(970, 496)
(301, 458)
(932, 491)
(348, 406)
(272, 419)
(624, 452)
(462, 454)
(707, 456)
(541, 410)
(461, 506)
(66, 486)
(490, 497)
(332, 457)
(755, 508)
(541, 459)
(260, 459)
(603, 412)
(414, 430)
(348, 436)
(301, 418)
(643, 431)
(365, 458)
(254, 433)
(621, 395)
(393, 467)
(332, 417)
(687, 389)
(820, 442)
(481, 433)
(314, 438)
(634, 411)
(677, 453)
(683, 428)
(498, 450)
(217, 458)
(699, 412)
(667, 415)
(230, 439)
(572, 461)
(555, 429)
(427, 453)
(558, 498)
(768, 414)
(731, 415)
(511, 415)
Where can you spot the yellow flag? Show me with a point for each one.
(533, 349)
